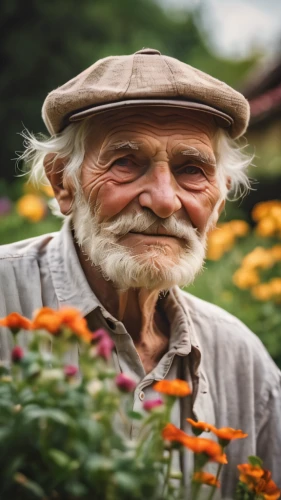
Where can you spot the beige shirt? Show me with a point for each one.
(235, 382)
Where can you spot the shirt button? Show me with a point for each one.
(141, 395)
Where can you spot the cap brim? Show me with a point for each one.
(223, 120)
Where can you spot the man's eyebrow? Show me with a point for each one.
(200, 155)
(125, 145)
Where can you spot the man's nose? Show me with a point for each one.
(159, 193)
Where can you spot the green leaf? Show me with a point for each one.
(255, 461)
(134, 415)
(59, 458)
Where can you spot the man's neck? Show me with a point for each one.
(136, 308)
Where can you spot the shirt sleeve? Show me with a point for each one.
(269, 431)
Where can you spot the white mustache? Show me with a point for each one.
(140, 222)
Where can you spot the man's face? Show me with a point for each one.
(149, 186)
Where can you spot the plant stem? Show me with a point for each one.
(214, 487)
(167, 478)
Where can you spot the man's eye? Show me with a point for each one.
(123, 162)
(192, 170)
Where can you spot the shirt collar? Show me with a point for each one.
(71, 286)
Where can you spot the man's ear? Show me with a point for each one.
(54, 169)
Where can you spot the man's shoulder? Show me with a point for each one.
(217, 328)
(201, 309)
(30, 247)
(225, 337)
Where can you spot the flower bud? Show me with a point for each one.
(70, 370)
(125, 383)
(153, 403)
(17, 354)
(104, 343)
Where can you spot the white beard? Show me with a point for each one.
(152, 269)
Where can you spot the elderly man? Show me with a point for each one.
(141, 158)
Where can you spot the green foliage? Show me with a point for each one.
(61, 438)
(216, 286)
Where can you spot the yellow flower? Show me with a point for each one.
(239, 227)
(220, 240)
(245, 278)
(276, 252)
(275, 286)
(266, 227)
(31, 207)
(259, 257)
(262, 292)
(264, 209)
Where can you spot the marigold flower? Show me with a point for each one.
(275, 286)
(262, 292)
(202, 477)
(220, 240)
(245, 278)
(47, 319)
(239, 227)
(266, 227)
(125, 383)
(176, 387)
(17, 354)
(31, 207)
(263, 209)
(152, 403)
(276, 252)
(72, 318)
(15, 322)
(53, 321)
(196, 444)
(259, 258)
(259, 481)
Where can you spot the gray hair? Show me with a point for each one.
(232, 160)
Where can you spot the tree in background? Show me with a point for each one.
(46, 43)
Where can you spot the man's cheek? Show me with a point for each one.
(112, 198)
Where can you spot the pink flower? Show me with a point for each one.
(17, 354)
(153, 403)
(70, 370)
(105, 344)
(125, 383)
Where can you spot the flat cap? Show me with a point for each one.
(145, 78)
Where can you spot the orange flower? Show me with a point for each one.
(205, 478)
(53, 321)
(47, 319)
(196, 444)
(176, 387)
(15, 322)
(259, 481)
(227, 433)
(199, 427)
(72, 318)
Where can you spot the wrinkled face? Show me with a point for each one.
(149, 190)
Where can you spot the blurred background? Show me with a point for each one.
(45, 43)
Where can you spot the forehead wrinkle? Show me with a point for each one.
(125, 144)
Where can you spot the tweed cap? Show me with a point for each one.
(145, 78)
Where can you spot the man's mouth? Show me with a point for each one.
(160, 231)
